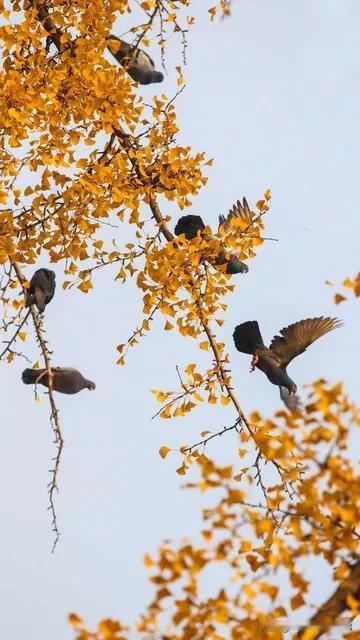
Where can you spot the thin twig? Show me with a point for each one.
(213, 435)
(12, 340)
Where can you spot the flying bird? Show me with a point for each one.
(64, 379)
(136, 62)
(41, 290)
(191, 225)
(273, 360)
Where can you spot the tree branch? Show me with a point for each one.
(327, 614)
(54, 416)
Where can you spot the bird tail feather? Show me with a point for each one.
(189, 225)
(247, 337)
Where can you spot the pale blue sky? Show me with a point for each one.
(273, 96)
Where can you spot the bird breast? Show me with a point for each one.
(269, 364)
(143, 61)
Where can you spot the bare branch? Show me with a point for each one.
(203, 443)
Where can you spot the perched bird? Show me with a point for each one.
(190, 226)
(41, 290)
(64, 379)
(274, 360)
(136, 62)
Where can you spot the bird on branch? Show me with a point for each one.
(273, 360)
(64, 379)
(193, 225)
(136, 62)
(41, 290)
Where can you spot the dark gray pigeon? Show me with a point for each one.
(41, 290)
(65, 379)
(136, 62)
(191, 225)
(274, 360)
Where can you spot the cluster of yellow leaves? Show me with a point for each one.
(107, 629)
(222, 8)
(348, 283)
(65, 117)
(77, 133)
(182, 281)
(253, 531)
(177, 403)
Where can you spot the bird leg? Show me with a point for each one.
(254, 361)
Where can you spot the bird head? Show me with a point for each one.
(91, 385)
(292, 388)
(236, 266)
(157, 76)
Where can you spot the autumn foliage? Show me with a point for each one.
(93, 153)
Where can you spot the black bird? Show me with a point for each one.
(64, 379)
(136, 62)
(41, 290)
(190, 226)
(274, 360)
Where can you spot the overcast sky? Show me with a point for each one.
(272, 95)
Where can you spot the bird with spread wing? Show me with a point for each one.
(192, 225)
(273, 360)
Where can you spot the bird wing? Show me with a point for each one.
(240, 211)
(298, 336)
(117, 47)
(40, 297)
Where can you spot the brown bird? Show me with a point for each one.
(191, 225)
(64, 379)
(135, 61)
(41, 290)
(293, 341)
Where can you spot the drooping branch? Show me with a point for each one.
(54, 416)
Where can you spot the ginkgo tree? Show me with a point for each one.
(82, 150)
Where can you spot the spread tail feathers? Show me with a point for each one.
(189, 225)
(247, 337)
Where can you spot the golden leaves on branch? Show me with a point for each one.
(56, 103)
(349, 283)
(183, 282)
(242, 531)
(107, 629)
(195, 388)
